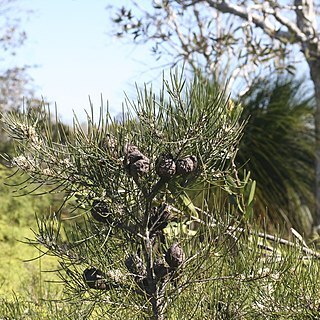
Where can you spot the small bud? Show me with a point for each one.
(187, 165)
(175, 256)
(109, 145)
(95, 279)
(165, 166)
(116, 276)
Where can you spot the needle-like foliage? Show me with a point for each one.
(161, 218)
(278, 148)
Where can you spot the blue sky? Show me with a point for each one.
(69, 41)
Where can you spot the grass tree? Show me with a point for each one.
(160, 228)
(278, 148)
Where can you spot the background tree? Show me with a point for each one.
(235, 40)
(14, 79)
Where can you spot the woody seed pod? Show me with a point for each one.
(146, 286)
(160, 269)
(139, 168)
(175, 256)
(165, 166)
(136, 266)
(187, 165)
(135, 163)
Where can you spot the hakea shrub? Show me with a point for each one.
(158, 214)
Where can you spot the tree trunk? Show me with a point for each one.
(307, 23)
(314, 65)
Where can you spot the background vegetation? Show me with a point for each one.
(22, 276)
(278, 148)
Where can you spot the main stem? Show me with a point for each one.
(156, 299)
(314, 65)
(157, 308)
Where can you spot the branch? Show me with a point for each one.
(306, 19)
(262, 235)
(292, 27)
(259, 21)
(183, 42)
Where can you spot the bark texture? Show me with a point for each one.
(307, 23)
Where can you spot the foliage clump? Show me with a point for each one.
(161, 219)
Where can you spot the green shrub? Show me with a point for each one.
(167, 227)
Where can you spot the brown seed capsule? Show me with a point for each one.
(186, 165)
(132, 154)
(100, 212)
(139, 168)
(95, 279)
(165, 166)
(146, 286)
(175, 256)
(135, 162)
(136, 266)
(160, 269)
